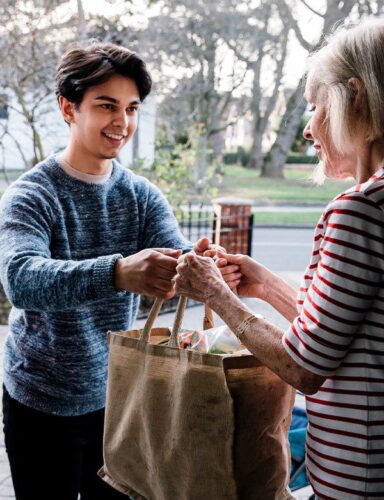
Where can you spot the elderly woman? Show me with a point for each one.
(334, 349)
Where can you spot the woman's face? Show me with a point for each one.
(334, 164)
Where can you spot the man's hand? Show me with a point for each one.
(149, 272)
(204, 247)
(230, 272)
(244, 275)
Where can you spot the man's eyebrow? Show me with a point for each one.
(107, 98)
(113, 100)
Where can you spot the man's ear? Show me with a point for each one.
(358, 93)
(67, 109)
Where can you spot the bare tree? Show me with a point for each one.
(260, 40)
(190, 38)
(334, 13)
(30, 44)
(32, 37)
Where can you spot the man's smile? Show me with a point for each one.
(115, 139)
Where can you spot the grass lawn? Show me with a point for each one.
(297, 186)
(246, 183)
(282, 218)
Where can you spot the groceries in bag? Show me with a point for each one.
(217, 340)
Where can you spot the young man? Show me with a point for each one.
(80, 238)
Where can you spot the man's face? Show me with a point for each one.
(106, 118)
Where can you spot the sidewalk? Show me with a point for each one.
(193, 319)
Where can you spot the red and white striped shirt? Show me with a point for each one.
(340, 334)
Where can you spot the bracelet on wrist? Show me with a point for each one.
(245, 324)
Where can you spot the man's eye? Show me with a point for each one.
(106, 106)
(312, 108)
(132, 110)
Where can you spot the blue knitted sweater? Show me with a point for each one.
(59, 240)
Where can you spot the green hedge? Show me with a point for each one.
(241, 156)
(301, 158)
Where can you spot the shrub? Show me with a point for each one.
(241, 156)
(301, 158)
(175, 172)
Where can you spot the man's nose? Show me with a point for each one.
(307, 131)
(121, 119)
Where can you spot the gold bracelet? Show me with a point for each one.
(244, 325)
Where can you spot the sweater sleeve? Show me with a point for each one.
(31, 278)
(161, 229)
(347, 278)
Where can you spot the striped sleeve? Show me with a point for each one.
(348, 272)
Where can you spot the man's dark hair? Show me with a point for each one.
(82, 68)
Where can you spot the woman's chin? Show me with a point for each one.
(318, 175)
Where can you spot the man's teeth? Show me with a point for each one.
(114, 136)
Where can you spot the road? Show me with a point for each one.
(286, 249)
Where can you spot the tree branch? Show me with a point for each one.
(223, 127)
(42, 98)
(228, 97)
(17, 144)
(286, 14)
(312, 9)
(278, 76)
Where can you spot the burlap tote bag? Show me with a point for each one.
(182, 425)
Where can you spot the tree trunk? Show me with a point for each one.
(261, 119)
(38, 151)
(201, 160)
(217, 145)
(273, 165)
(256, 153)
(81, 24)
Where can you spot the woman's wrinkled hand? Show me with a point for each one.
(198, 277)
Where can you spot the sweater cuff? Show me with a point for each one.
(103, 276)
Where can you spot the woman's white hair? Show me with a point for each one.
(355, 51)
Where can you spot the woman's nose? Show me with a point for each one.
(307, 131)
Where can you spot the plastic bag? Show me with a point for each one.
(218, 340)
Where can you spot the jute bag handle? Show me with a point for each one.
(208, 320)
